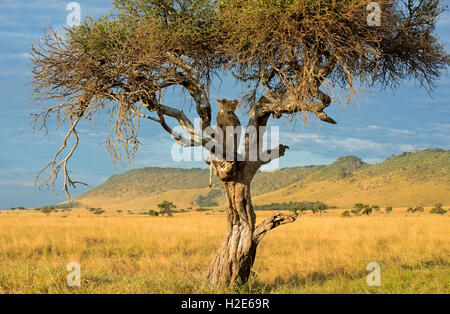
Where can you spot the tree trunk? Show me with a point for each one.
(236, 255)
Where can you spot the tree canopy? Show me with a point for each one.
(294, 56)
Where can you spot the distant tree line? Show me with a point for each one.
(210, 199)
(294, 206)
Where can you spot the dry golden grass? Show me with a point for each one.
(182, 198)
(143, 254)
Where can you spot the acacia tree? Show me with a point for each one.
(166, 207)
(296, 57)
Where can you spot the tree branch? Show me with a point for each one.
(271, 223)
(181, 140)
(274, 154)
(277, 104)
(192, 83)
(54, 166)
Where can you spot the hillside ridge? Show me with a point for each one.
(427, 172)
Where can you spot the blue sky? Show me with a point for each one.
(384, 124)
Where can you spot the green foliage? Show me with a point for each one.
(210, 199)
(96, 211)
(66, 206)
(437, 209)
(346, 214)
(417, 209)
(153, 213)
(357, 208)
(47, 210)
(202, 209)
(388, 209)
(363, 209)
(342, 168)
(166, 208)
(423, 166)
(367, 210)
(293, 206)
(17, 208)
(319, 207)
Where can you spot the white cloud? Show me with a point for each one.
(16, 182)
(350, 144)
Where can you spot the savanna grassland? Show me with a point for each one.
(123, 253)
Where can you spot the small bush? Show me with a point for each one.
(153, 213)
(388, 209)
(166, 208)
(367, 210)
(437, 209)
(47, 209)
(346, 214)
(319, 208)
(202, 209)
(96, 211)
(417, 209)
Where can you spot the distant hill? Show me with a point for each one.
(421, 177)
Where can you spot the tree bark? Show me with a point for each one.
(235, 257)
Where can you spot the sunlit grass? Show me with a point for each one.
(144, 254)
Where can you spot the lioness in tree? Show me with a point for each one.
(226, 117)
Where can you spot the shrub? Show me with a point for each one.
(367, 210)
(209, 200)
(47, 209)
(417, 209)
(346, 214)
(96, 211)
(202, 209)
(299, 206)
(319, 207)
(166, 208)
(153, 213)
(388, 209)
(357, 208)
(437, 209)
